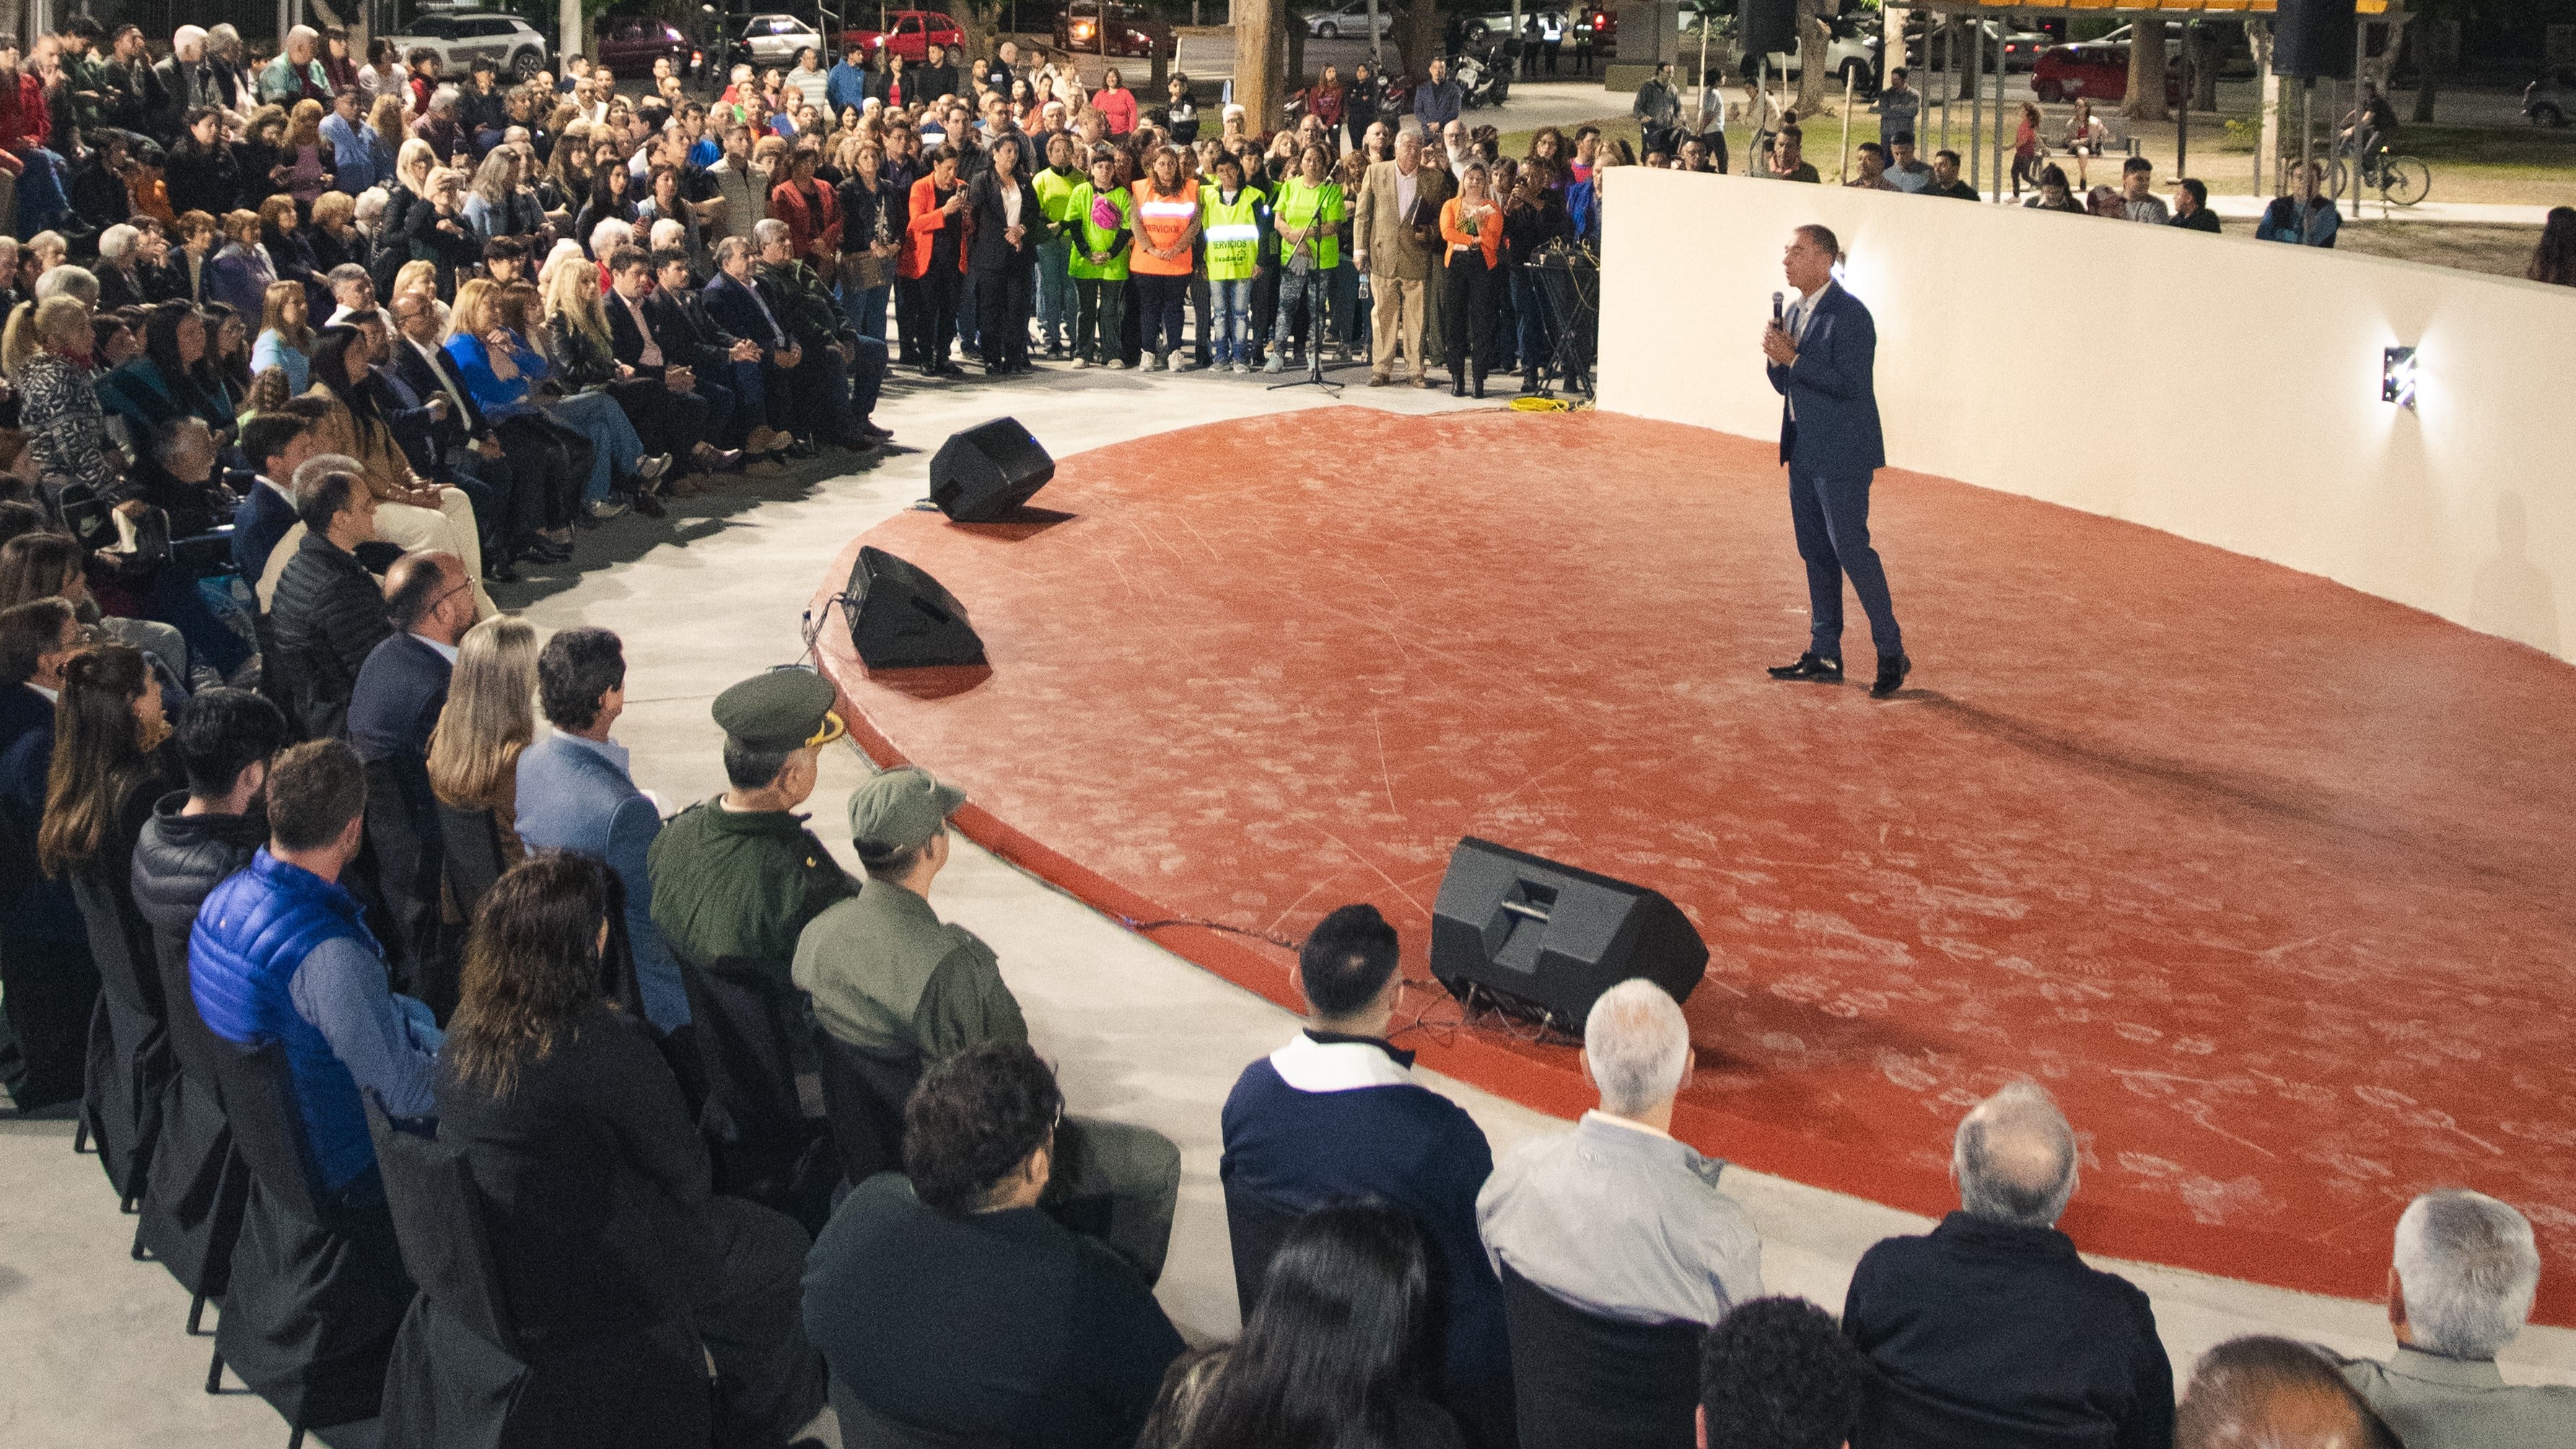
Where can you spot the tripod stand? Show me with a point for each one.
(1315, 330)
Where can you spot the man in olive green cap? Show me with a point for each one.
(890, 979)
(735, 879)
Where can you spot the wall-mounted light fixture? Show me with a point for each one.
(2397, 376)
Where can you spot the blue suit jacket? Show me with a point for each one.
(395, 703)
(737, 309)
(1835, 429)
(258, 524)
(572, 797)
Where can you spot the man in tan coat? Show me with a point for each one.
(1399, 265)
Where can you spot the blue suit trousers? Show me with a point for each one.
(1831, 511)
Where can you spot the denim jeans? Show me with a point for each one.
(866, 308)
(615, 450)
(42, 203)
(1231, 308)
(1537, 328)
(1055, 294)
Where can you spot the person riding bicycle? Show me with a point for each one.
(2368, 129)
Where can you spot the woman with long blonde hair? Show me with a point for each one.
(489, 718)
(308, 157)
(285, 335)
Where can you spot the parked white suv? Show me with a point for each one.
(461, 39)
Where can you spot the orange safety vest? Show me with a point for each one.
(1162, 221)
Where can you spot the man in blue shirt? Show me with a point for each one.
(1335, 1116)
(353, 161)
(575, 794)
(1436, 101)
(280, 951)
(847, 86)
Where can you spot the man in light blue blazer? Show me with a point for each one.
(575, 794)
(1820, 353)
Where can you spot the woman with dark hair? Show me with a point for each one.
(2054, 192)
(1002, 251)
(596, 1186)
(172, 379)
(108, 769)
(1336, 1348)
(201, 172)
(228, 349)
(261, 156)
(608, 202)
(2554, 260)
(410, 513)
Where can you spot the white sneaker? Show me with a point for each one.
(1275, 364)
(1118, 364)
(1242, 367)
(1084, 362)
(1181, 364)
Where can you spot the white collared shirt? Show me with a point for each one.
(1337, 1066)
(445, 651)
(1612, 1119)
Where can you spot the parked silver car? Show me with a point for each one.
(460, 39)
(1350, 18)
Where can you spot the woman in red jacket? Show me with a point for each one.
(811, 210)
(1116, 105)
(934, 254)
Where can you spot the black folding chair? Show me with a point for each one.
(863, 1097)
(1581, 1378)
(1254, 1229)
(317, 1287)
(462, 1377)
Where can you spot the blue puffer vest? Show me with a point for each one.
(254, 930)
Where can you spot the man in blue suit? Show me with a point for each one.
(276, 443)
(575, 794)
(1820, 353)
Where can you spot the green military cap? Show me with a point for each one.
(900, 809)
(784, 709)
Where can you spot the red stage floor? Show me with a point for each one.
(2266, 879)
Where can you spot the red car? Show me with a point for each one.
(908, 33)
(629, 44)
(2094, 71)
(1077, 29)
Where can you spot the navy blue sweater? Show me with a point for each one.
(1330, 1119)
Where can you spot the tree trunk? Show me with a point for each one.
(1164, 46)
(1414, 32)
(2146, 100)
(1256, 63)
(1812, 41)
(2429, 37)
(2206, 58)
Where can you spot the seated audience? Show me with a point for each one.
(596, 1184)
(329, 612)
(223, 740)
(2270, 1393)
(952, 1310)
(1336, 1116)
(393, 707)
(2465, 1272)
(1990, 1329)
(483, 728)
(888, 978)
(1616, 1217)
(1337, 1349)
(281, 950)
(573, 792)
(1775, 1373)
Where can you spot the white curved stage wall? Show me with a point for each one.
(2215, 387)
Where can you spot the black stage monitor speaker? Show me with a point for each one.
(900, 618)
(2313, 38)
(1768, 25)
(1545, 940)
(982, 474)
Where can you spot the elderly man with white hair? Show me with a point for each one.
(2461, 1284)
(298, 73)
(1989, 1329)
(1616, 1217)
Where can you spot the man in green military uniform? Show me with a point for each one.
(889, 978)
(735, 879)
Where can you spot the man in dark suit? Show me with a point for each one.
(392, 709)
(638, 344)
(48, 980)
(791, 387)
(681, 324)
(276, 443)
(1820, 353)
(530, 459)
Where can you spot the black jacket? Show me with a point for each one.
(729, 305)
(207, 180)
(451, 251)
(428, 380)
(327, 616)
(177, 860)
(594, 1179)
(1982, 1335)
(687, 334)
(395, 703)
(991, 250)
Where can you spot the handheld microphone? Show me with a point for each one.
(1775, 308)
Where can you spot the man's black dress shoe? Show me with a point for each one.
(1822, 671)
(1891, 676)
(497, 570)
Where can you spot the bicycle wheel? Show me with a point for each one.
(2405, 180)
(2338, 176)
